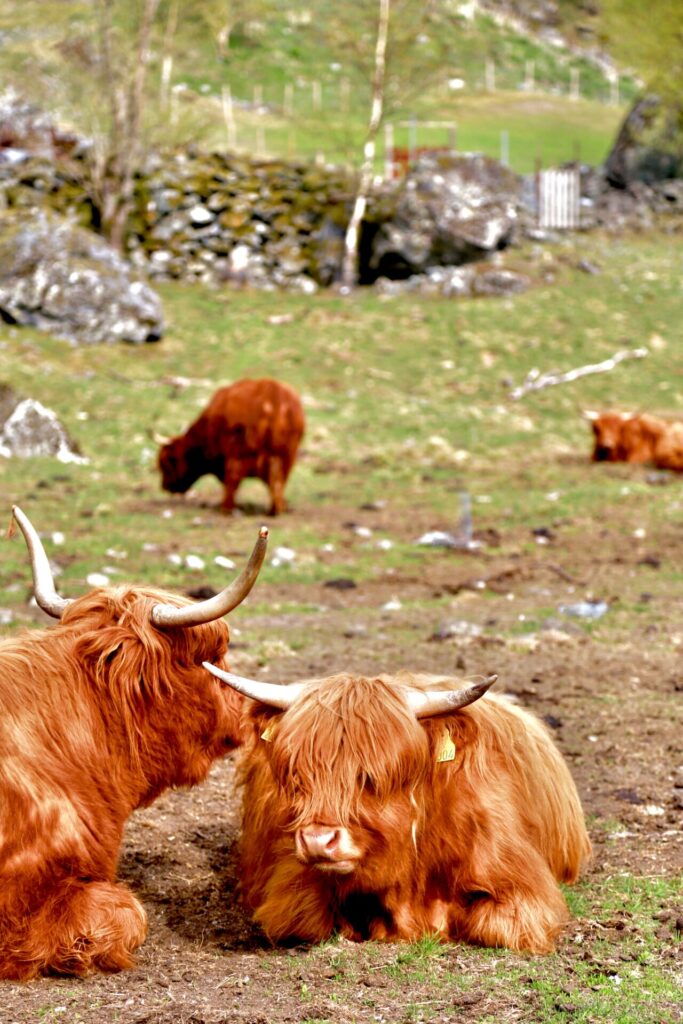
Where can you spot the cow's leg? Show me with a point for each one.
(81, 926)
(231, 482)
(524, 913)
(277, 477)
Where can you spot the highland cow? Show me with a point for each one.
(397, 807)
(98, 715)
(252, 428)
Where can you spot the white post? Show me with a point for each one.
(344, 95)
(317, 95)
(505, 147)
(412, 139)
(614, 87)
(229, 116)
(166, 71)
(258, 97)
(388, 151)
(574, 89)
(490, 75)
(288, 101)
(529, 76)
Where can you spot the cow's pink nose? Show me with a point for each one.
(319, 841)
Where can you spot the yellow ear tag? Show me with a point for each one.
(446, 751)
(268, 733)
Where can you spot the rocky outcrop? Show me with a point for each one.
(649, 146)
(69, 282)
(449, 209)
(28, 428)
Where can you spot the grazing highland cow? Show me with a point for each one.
(395, 807)
(98, 715)
(251, 429)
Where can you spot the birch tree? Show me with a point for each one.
(349, 269)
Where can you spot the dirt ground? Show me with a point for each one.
(613, 706)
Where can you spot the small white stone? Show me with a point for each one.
(97, 579)
(653, 810)
(224, 563)
(194, 562)
(58, 537)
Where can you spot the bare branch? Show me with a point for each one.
(535, 380)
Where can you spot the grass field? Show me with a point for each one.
(408, 407)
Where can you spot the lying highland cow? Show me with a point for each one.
(98, 715)
(251, 429)
(396, 807)
(638, 438)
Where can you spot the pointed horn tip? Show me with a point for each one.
(263, 532)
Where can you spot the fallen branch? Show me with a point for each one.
(535, 380)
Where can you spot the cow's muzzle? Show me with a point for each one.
(329, 848)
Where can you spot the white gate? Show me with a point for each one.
(559, 196)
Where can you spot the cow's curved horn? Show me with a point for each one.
(43, 582)
(219, 605)
(274, 694)
(437, 702)
(160, 439)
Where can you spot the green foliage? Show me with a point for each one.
(300, 77)
(651, 44)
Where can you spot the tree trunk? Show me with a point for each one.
(122, 153)
(349, 271)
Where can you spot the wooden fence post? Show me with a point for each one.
(288, 100)
(388, 151)
(229, 116)
(505, 147)
(490, 75)
(574, 87)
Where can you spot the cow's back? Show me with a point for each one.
(257, 416)
(512, 761)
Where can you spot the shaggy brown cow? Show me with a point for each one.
(389, 808)
(637, 438)
(98, 715)
(251, 429)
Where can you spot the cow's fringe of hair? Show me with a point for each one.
(352, 750)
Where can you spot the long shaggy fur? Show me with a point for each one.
(471, 848)
(638, 438)
(98, 715)
(252, 428)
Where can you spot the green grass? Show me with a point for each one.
(407, 402)
(381, 379)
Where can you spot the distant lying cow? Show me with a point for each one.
(396, 807)
(98, 715)
(637, 438)
(251, 429)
